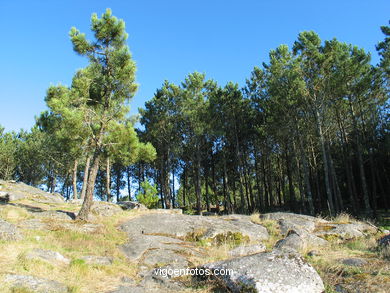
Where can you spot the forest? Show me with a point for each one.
(309, 132)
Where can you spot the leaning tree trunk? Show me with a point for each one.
(85, 180)
(88, 199)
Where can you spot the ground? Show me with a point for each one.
(49, 226)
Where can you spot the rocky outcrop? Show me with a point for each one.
(9, 231)
(52, 257)
(34, 284)
(97, 260)
(185, 226)
(301, 240)
(18, 190)
(354, 262)
(105, 209)
(274, 272)
(247, 250)
(131, 205)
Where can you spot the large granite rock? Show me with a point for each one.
(52, 257)
(105, 209)
(247, 250)
(97, 260)
(301, 240)
(131, 205)
(345, 231)
(9, 231)
(11, 196)
(19, 190)
(182, 226)
(276, 272)
(34, 284)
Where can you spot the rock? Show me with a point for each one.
(105, 209)
(35, 284)
(314, 253)
(164, 257)
(168, 211)
(134, 289)
(247, 250)
(77, 201)
(52, 257)
(183, 226)
(58, 215)
(384, 241)
(131, 205)
(164, 283)
(355, 262)
(79, 227)
(208, 214)
(137, 246)
(293, 240)
(343, 231)
(277, 271)
(11, 196)
(301, 240)
(291, 217)
(340, 289)
(9, 231)
(32, 224)
(97, 260)
(128, 280)
(296, 225)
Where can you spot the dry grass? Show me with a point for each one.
(78, 276)
(371, 277)
(272, 227)
(343, 218)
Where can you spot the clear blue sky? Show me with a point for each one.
(168, 39)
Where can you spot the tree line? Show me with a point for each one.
(309, 132)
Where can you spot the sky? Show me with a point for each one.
(168, 40)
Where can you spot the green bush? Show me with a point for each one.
(148, 195)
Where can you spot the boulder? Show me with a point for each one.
(165, 257)
(33, 224)
(342, 231)
(384, 241)
(293, 241)
(58, 215)
(276, 272)
(301, 240)
(247, 250)
(298, 218)
(97, 260)
(185, 226)
(131, 205)
(52, 257)
(11, 196)
(355, 262)
(9, 231)
(34, 284)
(105, 209)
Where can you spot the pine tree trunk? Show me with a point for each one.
(326, 166)
(108, 179)
(88, 199)
(74, 179)
(128, 175)
(85, 179)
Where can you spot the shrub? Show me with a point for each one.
(148, 195)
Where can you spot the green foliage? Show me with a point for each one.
(8, 145)
(148, 195)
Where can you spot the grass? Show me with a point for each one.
(78, 276)
(272, 227)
